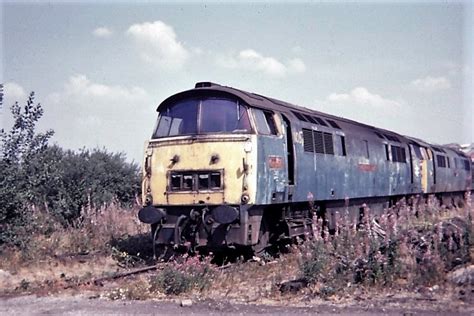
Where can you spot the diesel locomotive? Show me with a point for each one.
(227, 168)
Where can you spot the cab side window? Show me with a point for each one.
(265, 122)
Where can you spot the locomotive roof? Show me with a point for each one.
(249, 98)
(260, 101)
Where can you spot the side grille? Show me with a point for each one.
(318, 142)
(308, 140)
(328, 144)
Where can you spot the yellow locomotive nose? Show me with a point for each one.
(212, 169)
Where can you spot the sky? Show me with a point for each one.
(100, 70)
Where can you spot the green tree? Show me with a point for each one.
(22, 141)
(16, 147)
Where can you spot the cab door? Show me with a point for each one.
(428, 171)
(418, 171)
(272, 177)
(290, 156)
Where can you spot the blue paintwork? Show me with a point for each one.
(271, 181)
(334, 177)
(326, 177)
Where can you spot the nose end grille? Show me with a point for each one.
(203, 180)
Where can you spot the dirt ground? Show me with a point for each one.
(66, 284)
(63, 297)
(92, 305)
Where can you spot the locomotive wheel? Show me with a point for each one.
(459, 203)
(263, 239)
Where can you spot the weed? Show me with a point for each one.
(181, 278)
(171, 281)
(327, 291)
(126, 260)
(24, 285)
(316, 261)
(138, 290)
(418, 243)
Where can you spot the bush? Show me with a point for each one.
(35, 176)
(68, 182)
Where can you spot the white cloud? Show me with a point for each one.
(92, 114)
(13, 92)
(79, 86)
(102, 32)
(252, 60)
(431, 84)
(361, 105)
(158, 44)
(197, 51)
(296, 65)
(362, 96)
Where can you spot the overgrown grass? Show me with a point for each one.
(406, 248)
(96, 231)
(409, 247)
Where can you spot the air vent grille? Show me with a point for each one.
(318, 142)
(328, 144)
(308, 140)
